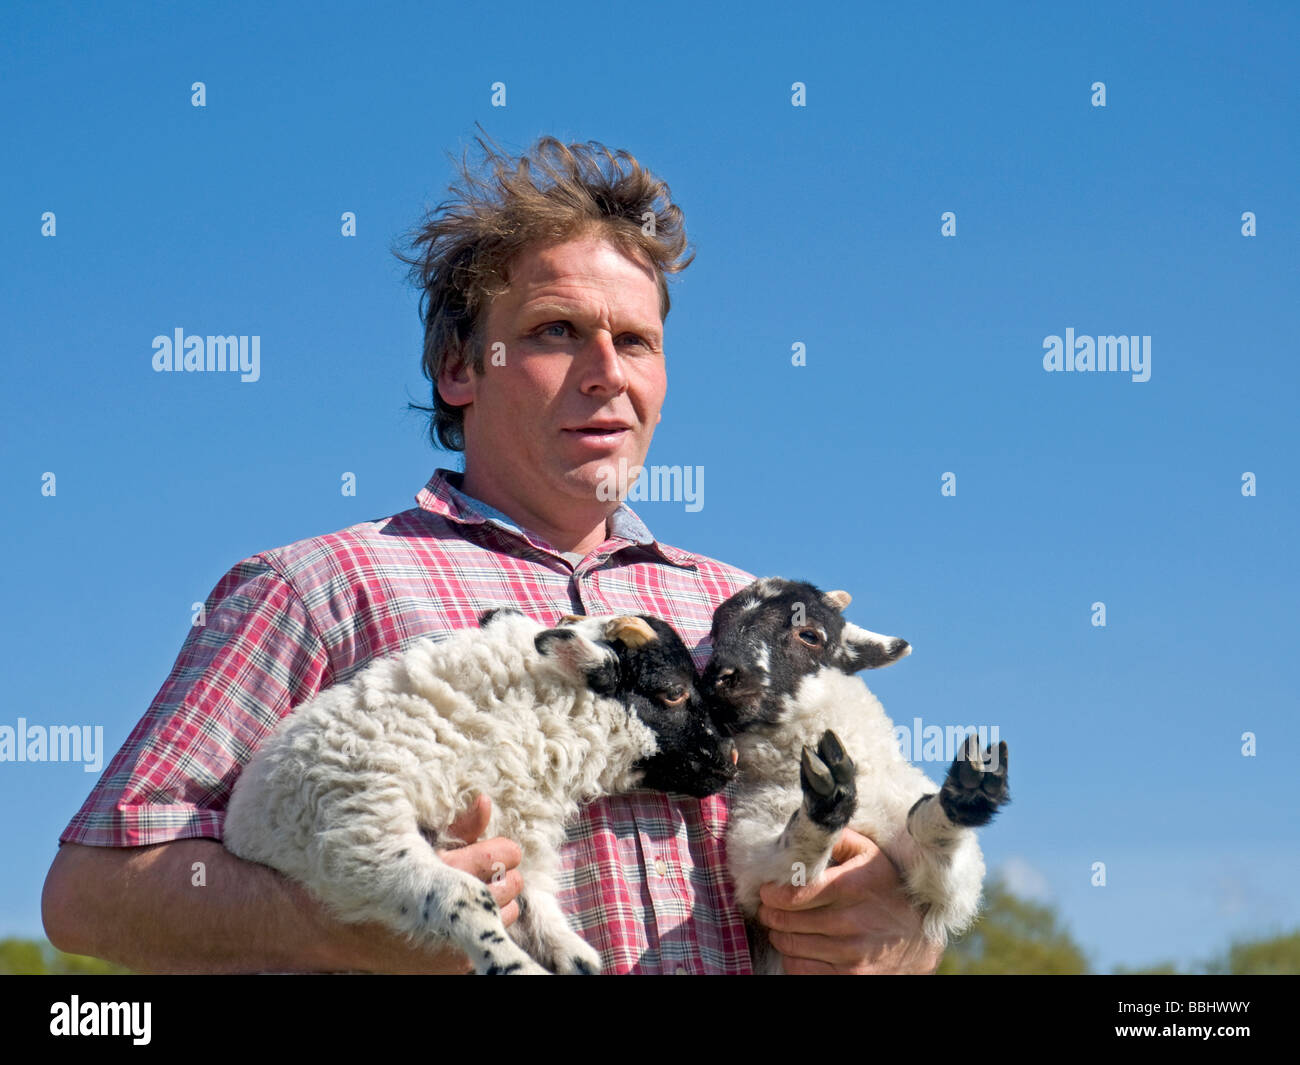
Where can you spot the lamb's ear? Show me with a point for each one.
(861, 649)
(837, 600)
(630, 630)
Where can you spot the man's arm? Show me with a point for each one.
(855, 918)
(139, 907)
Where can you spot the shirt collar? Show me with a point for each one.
(442, 495)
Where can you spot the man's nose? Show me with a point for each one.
(602, 370)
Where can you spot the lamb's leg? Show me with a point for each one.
(404, 885)
(945, 870)
(803, 849)
(543, 931)
(828, 779)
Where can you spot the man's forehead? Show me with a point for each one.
(564, 271)
(582, 256)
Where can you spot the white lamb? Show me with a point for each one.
(781, 679)
(350, 792)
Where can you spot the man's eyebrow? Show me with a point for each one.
(569, 312)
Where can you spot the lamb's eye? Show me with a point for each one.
(811, 637)
(674, 697)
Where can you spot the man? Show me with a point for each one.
(544, 302)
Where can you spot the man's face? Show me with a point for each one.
(582, 383)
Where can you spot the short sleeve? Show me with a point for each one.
(255, 657)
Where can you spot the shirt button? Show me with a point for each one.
(681, 971)
(661, 867)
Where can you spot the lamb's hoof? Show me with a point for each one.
(566, 953)
(582, 962)
(829, 781)
(976, 786)
(515, 968)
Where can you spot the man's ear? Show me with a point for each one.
(456, 380)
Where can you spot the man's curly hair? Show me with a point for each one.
(461, 252)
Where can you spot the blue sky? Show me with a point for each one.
(818, 225)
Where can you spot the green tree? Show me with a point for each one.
(37, 957)
(1164, 968)
(1276, 956)
(1013, 935)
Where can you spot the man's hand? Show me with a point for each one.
(494, 861)
(854, 918)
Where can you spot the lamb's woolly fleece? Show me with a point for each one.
(338, 795)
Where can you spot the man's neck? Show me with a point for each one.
(579, 533)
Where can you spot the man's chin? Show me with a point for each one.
(604, 480)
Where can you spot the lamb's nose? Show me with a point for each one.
(721, 678)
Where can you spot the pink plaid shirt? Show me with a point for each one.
(643, 874)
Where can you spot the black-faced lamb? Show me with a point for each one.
(781, 680)
(352, 790)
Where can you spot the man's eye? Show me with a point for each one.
(561, 326)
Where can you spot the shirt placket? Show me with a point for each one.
(670, 892)
(662, 844)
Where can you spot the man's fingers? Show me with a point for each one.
(808, 967)
(827, 950)
(509, 912)
(832, 921)
(864, 868)
(494, 861)
(506, 886)
(812, 955)
(490, 860)
(824, 891)
(851, 844)
(473, 822)
(786, 897)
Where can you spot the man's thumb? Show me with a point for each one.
(470, 825)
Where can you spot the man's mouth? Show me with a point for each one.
(600, 432)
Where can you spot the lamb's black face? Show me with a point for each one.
(659, 684)
(769, 636)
